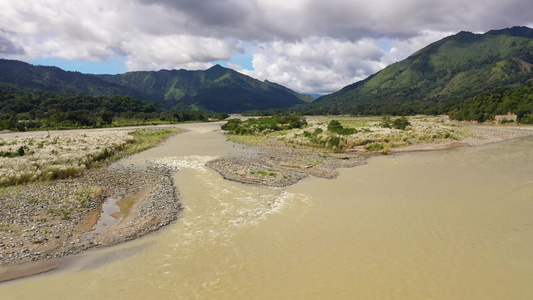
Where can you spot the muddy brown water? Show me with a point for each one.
(450, 224)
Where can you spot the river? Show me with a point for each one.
(450, 224)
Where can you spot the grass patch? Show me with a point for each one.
(373, 135)
(143, 139)
(248, 140)
(70, 154)
(341, 134)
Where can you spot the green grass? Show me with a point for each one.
(144, 139)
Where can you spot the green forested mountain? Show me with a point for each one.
(439, 76)
(21, 75)
(217, 89)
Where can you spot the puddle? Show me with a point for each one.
(106, 220)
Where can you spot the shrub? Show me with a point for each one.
(334, 141)
(400, 123)
(527, 119)
(20, 151)
(385, 122)
(374, 147)
(231, 125)
(336, 127)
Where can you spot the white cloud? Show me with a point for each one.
(308, 45)
(316, 64)
(175, 51)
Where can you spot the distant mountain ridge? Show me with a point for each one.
(25, 76)
(217, 89)
(441, 74)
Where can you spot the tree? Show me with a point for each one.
(107, 116)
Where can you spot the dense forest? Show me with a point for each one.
(392, 107)
(500, 101)
(21, 110)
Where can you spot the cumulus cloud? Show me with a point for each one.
(316, 65)
(173, 51)
(307, 45)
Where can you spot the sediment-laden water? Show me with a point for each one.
(452, 224)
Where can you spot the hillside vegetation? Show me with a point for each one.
(20, 75)
(439, 76)
(486, 106)
(217, 89)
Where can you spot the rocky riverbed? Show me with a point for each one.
(53, 219)
(275, 164)
(486, 135)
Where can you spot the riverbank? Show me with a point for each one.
(54, 219)
(278, 164)
(479, 135)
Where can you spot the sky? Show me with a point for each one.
(310, 46)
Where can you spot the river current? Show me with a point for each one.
(449, 224)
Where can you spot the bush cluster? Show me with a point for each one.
(398, 123)
(264, 125)
(336, 127)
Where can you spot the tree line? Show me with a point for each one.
(486, 106)
(483, 107)
(22, 110)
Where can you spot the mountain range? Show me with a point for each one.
(217, 89)
(440, 75)
(432, 80)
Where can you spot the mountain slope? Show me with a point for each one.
(28, 77)
(217, 89)
(445, 72)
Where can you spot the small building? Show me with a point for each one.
(509, 117)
